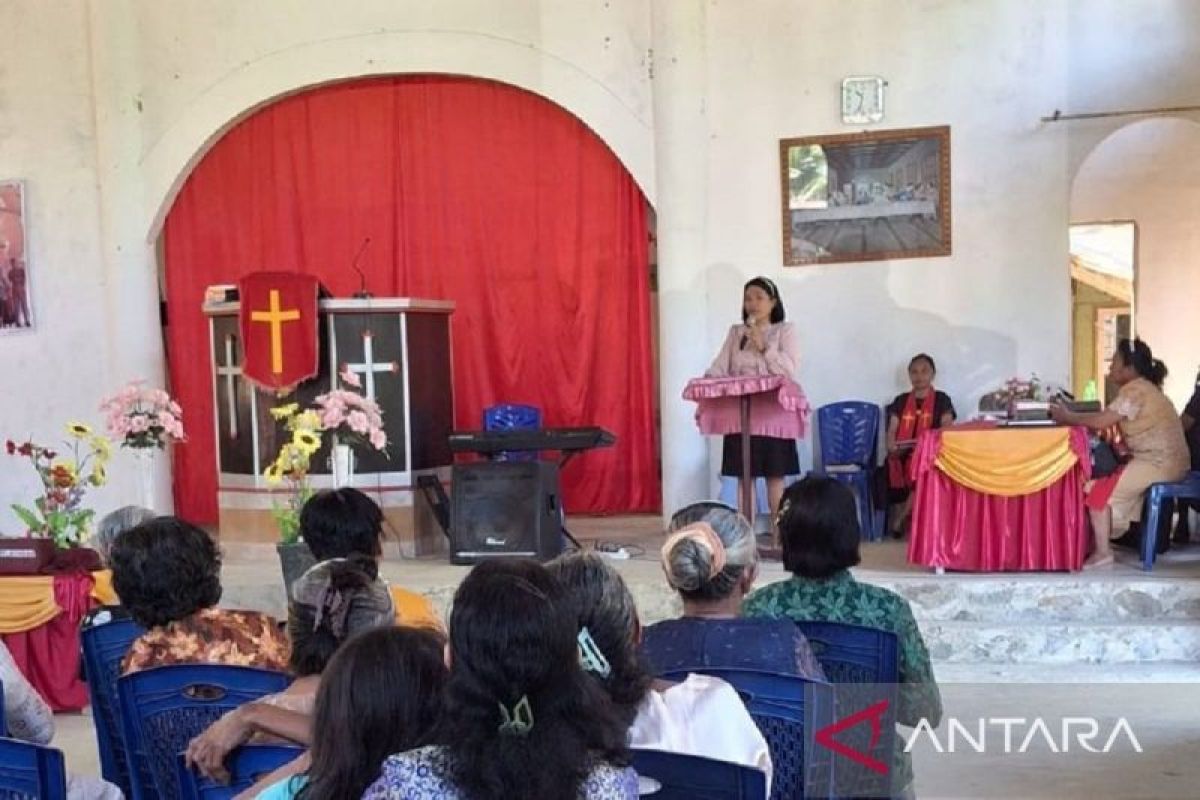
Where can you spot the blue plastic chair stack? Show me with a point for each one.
(246, 766)
(849, 438)
(863, 663)
(1156, 499)
(675, 776)
(512, 417)
(31, 772)
(163, 708)
(789, 711)
(103, 648)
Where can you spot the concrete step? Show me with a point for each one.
(968, 642)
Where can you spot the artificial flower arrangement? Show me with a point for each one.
(348, 415)
(1015, 390)
(58, 513)
(142, 418)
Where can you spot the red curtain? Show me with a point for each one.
(469, 190)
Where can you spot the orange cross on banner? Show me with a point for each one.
(275, 318)
(278, 322)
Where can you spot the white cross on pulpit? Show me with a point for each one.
(230, 372)
(367, 368)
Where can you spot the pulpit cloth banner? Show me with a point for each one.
(278, 324)
(460, 189)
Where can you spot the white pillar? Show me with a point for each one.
(133, 333)
(681, 167)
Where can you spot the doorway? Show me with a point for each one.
(1103, 263)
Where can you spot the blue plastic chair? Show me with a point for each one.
(164, 708)
(103, 648)
(31, 772)
(246, 765)
(849, 444)
(864, 665)
(1158, 495)
(789, 711)
(683, 777)
(512, 417)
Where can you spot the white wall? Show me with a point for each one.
(124, 95)
(1149, 172)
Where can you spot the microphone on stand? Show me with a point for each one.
(362, 293)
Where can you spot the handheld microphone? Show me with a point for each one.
(362, 293)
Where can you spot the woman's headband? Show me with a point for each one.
(768, 284)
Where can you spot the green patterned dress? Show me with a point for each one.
(840, 598)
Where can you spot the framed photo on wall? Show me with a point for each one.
(866, 196)
(15, 299)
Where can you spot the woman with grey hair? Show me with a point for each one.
(114, 524)
(711, 559)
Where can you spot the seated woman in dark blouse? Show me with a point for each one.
(910, 415)
(711, 559)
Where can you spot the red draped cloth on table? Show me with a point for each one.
(960, 528)
(468, 190)
(48, 654)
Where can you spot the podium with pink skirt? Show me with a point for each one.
(761, 405)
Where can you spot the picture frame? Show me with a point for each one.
(870, 196)
(16, 298)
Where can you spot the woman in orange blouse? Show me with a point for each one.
(1151, 430)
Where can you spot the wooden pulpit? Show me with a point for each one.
(400, 349)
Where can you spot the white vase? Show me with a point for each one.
(343, 465)
(144, 457)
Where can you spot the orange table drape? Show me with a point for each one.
(1007, 463)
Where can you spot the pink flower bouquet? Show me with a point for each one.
(140, 417)
(350, 416)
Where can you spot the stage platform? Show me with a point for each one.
(1117, 616)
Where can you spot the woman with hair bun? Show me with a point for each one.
(1152, 432)
(710, 558)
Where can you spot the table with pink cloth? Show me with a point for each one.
(957, 527)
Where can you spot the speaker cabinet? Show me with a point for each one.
(505, 509)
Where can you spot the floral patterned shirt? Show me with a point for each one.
(840, 598)
(212, 636)
(424, 774)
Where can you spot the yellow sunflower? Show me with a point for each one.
(307, 421)
(274, 472)
(283, 412)
(306, 441)
(102, 447)
(78, 429)
(99, 476)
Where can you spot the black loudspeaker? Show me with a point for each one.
(505, 509)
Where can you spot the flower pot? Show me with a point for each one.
(343, 465)
(294, 559)
(25, 556)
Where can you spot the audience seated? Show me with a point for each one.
(381, 694)
(701, 716)
(521, 719)
(1153, 435)
(818, 524)
(111, 526)
(711, 559)
(331, 602)
(167, 574)
(340, 522)
(29, 718)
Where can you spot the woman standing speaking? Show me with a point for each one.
(763, 344)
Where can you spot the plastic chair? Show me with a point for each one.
(512, 417)
(163, 708)
(849, 441)
(246, 764)
(789, 711)
(31, 772)
(103, 648)
(684, 777)
(1156, 498)
(864, 665)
